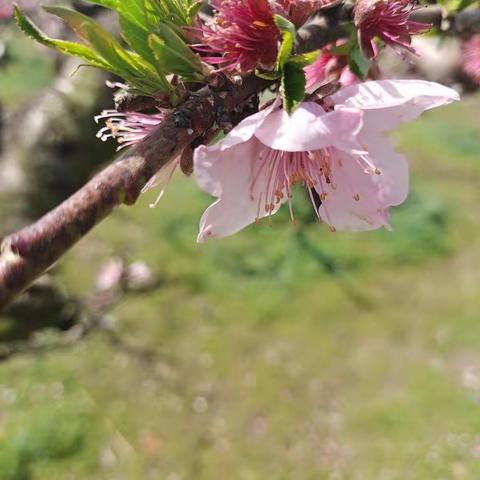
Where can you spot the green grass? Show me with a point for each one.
(280, 353)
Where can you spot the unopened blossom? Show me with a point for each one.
(298, 11)
(110, 275)
(242, 36)
(316, 73)
(337, 151)
(138, 275)
(389, 20)
(471, 58)
(116, 274)
(329, 67)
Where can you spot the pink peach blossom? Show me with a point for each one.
(338, 151)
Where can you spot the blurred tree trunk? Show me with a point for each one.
(48, 150)
(49, 147)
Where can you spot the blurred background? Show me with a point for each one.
(280, 353)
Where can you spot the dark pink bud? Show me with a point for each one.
(389, 20)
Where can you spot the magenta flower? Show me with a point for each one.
(471, 58)
(351, 171)
(242, 36)
(388, 20)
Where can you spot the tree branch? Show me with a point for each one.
(28, 253)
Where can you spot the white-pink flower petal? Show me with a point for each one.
(234, 176)
(387, 103)
(342, 154)
(361, 201)
(309, 127)
(209, 159)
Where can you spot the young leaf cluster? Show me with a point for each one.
(155, 45)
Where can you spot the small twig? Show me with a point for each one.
(323, 27)
(432, 14)
(466, 22)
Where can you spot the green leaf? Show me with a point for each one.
(292, 87)
(95, 36)
(194, 9)
(283, 24)
(134, 11)
(343, 49)
(101, 50)
(358, 63)
(29, 28)
(133, 22)
(137, 38)
(288, 37)
(305, 59)
(127, 64)
(133, 19)
(173, 55)
(177, 12)
(82, 51)
(177, 61)
(268, 75)
(69, 48)
(157, 46)
(104, 3)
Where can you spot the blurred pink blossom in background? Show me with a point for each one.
(6, 7)
(471, 58)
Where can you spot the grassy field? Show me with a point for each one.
(281, 353)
